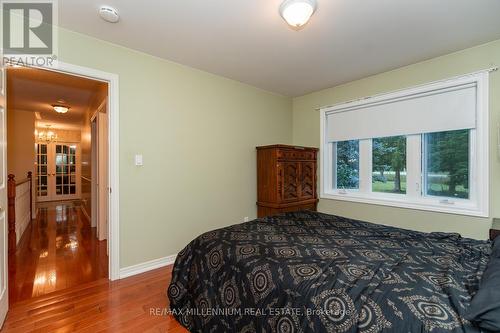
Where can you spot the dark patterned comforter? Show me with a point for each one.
(311, 272)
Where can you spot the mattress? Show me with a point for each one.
(313, 272)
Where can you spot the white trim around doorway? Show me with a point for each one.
(113, 156)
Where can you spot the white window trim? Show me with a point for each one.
(477, 205)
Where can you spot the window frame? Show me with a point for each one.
(416, 197)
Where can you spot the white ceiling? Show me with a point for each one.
(37, 90)
(248, 41)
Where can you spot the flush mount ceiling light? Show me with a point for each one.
(297, 12)
(109, 14)
(60, 108)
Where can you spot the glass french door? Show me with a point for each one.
(58, 171)
(42, 173)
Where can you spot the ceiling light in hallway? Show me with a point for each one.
(60, 108)
(297, 12)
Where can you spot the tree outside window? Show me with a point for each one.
(389, 164)
(347, 173)
(447, 164)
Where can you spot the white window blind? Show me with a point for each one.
(445, 109)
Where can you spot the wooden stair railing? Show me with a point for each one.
(30, 177)
(11, 198)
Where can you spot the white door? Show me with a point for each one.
(42, 172)
(58, 171)
(66, 171)
(4, 294)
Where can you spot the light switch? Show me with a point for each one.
(138, 160)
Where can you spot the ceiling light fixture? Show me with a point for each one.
(297, 12)
(109, 14)
(60, 108)
(47, 135)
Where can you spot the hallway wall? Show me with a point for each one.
(21, 143)
(21, 150)
(86, 146)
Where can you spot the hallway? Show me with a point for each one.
(58, 250)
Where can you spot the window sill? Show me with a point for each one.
(427, 204)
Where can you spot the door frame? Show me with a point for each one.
(93, 175)
(4, 210)
(99, 199)
(113, 155)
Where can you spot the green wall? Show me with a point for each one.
(197, 132)
(306, 132)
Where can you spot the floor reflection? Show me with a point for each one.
(58, 250)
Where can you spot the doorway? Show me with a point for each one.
(63, 189)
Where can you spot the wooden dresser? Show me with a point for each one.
(286, 179)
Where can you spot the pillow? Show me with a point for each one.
(484, 310)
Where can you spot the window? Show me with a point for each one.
(389, 164)
(447, 164)
(347, 172)
(422, 148)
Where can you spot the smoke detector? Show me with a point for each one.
(109, 14)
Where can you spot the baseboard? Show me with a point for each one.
(147, 266)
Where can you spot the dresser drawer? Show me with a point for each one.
(296, 155)
(263, 210)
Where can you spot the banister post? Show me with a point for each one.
(30, 177)
(11, 198)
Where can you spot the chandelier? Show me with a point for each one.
(47, 135)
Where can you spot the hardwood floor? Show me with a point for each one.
(58, 250)
(58, 282)
(126, 305)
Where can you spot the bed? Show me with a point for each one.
(312, 272)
